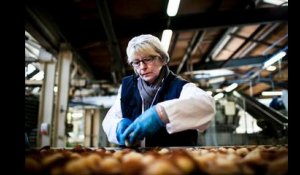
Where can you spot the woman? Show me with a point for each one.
(155, 105)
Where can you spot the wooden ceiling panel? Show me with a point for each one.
(247, 30)
(281, 76)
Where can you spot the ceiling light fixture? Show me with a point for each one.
(275, 2)
(274, 59)
(235, 93)
(231, 87)
(271, 68)
(212, 73)
(271, 93)
(216, 80)
(218, 96)
(166, 38)
(173, 6)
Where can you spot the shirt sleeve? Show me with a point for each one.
(112, 118)
(194, 109)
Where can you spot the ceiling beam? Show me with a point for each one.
(37, 24)
(269, 79)
(259, 41)
(117, 67)
(172, 47)
(245, 42)
(197, 38)
(264, 34)
(217, 46)
(237, 62)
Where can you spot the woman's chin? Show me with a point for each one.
(148, 79)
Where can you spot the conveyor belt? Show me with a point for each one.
(262, 112)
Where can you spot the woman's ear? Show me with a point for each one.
(164, 61)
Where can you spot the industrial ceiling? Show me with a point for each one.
(207, 35)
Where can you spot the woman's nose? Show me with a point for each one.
(142, 65)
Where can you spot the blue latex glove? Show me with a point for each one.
(145, 125)
(123, 124)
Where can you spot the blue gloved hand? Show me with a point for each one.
(123, 124)
(145, 125)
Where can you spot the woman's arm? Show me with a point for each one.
(112, 118)
(194, 109)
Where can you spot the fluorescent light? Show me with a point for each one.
(271, 68)
(213, 73)
(38, 76)
(220, 46)
(235, 93)
(55, 89)
(166, 38)
(274, 59)
(216, 80)
(218, 96)
(173, 6)
(231, 87)
(30, 69)
(271, 93)
(275, 2)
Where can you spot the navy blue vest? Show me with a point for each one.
(131, 105)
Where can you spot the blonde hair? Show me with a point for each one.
(146, 44)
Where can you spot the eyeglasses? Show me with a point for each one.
(146, 60)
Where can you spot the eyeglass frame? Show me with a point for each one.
(146, 60)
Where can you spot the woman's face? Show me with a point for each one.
(148, 67)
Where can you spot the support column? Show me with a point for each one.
(91, 127)
(46, 101)
(96, 128)
(64, 65)
(103, 141)
(87, 127)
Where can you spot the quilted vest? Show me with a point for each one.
(131, 105)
